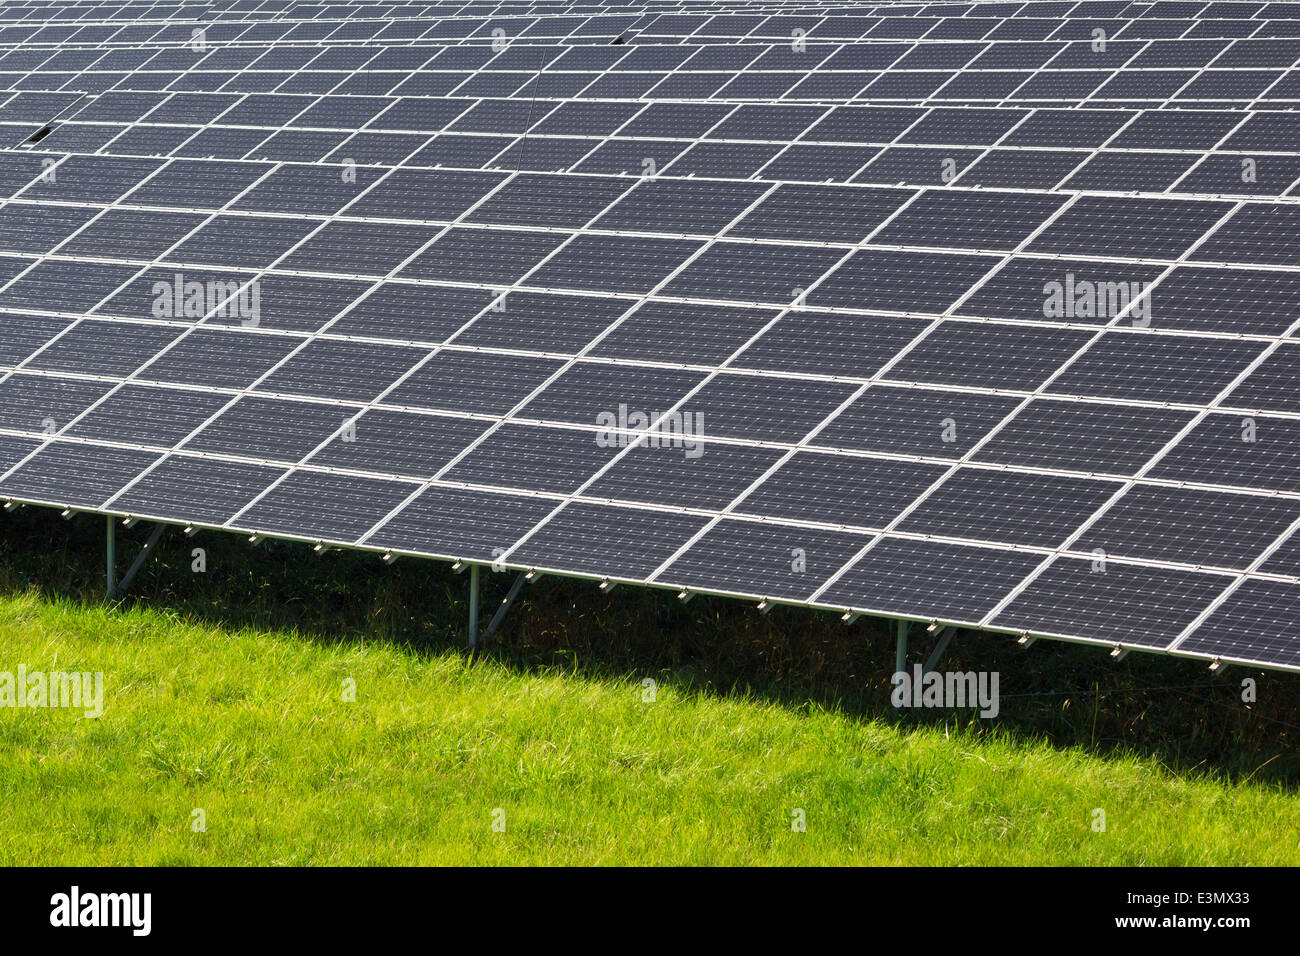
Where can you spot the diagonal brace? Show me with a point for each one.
(146, 552)
(500, 615)
(945, 638)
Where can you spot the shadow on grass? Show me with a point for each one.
(1070, 696)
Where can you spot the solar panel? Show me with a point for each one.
(978, 315)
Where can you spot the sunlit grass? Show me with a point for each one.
(251, 726)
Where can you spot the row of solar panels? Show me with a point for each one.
(1071, 21)
(712, 17)
(766, 258)
(1146, 70)
(768, 396)
(1037, 127)
(692, 11)
(698, 10)
(1188, 151)
(1164, 375)
(1178, 70)
(822, 56)
(730, 554)
(1002, 494)
(1119, 87)
(396, 9)
(884, 419)
(601, 31)
(1259, 232)
(827, 509)
(909, 461)
(1102, 171)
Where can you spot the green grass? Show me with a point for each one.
(225, 692)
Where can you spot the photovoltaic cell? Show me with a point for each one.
(1256, 622)
(1146, 606)
(983, 505)
(315, 505)
(602, 540)
(840, 489)
(762, 560)
(914, 421)
(1083, 436)
(555, 460)
(1190, 526)
(461, 523)
(75, 475)
(203, 490)
(929, 580)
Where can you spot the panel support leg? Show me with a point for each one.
(473, 606)
(900, 654)
(110, 552)
(145, 554)
(500, 615)
(945, 638)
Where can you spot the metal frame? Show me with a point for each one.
(900, 651)
(110, 551)
(903, 628)
(475, 639)
(113, 587)
(473, 606)
(1025, 639)
(940, 647)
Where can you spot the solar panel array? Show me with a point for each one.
(974, 313)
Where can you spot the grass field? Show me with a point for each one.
(225, 692)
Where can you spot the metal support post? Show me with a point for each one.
(110, 548)
(900, 655)
(500, 615)
(473, 605)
